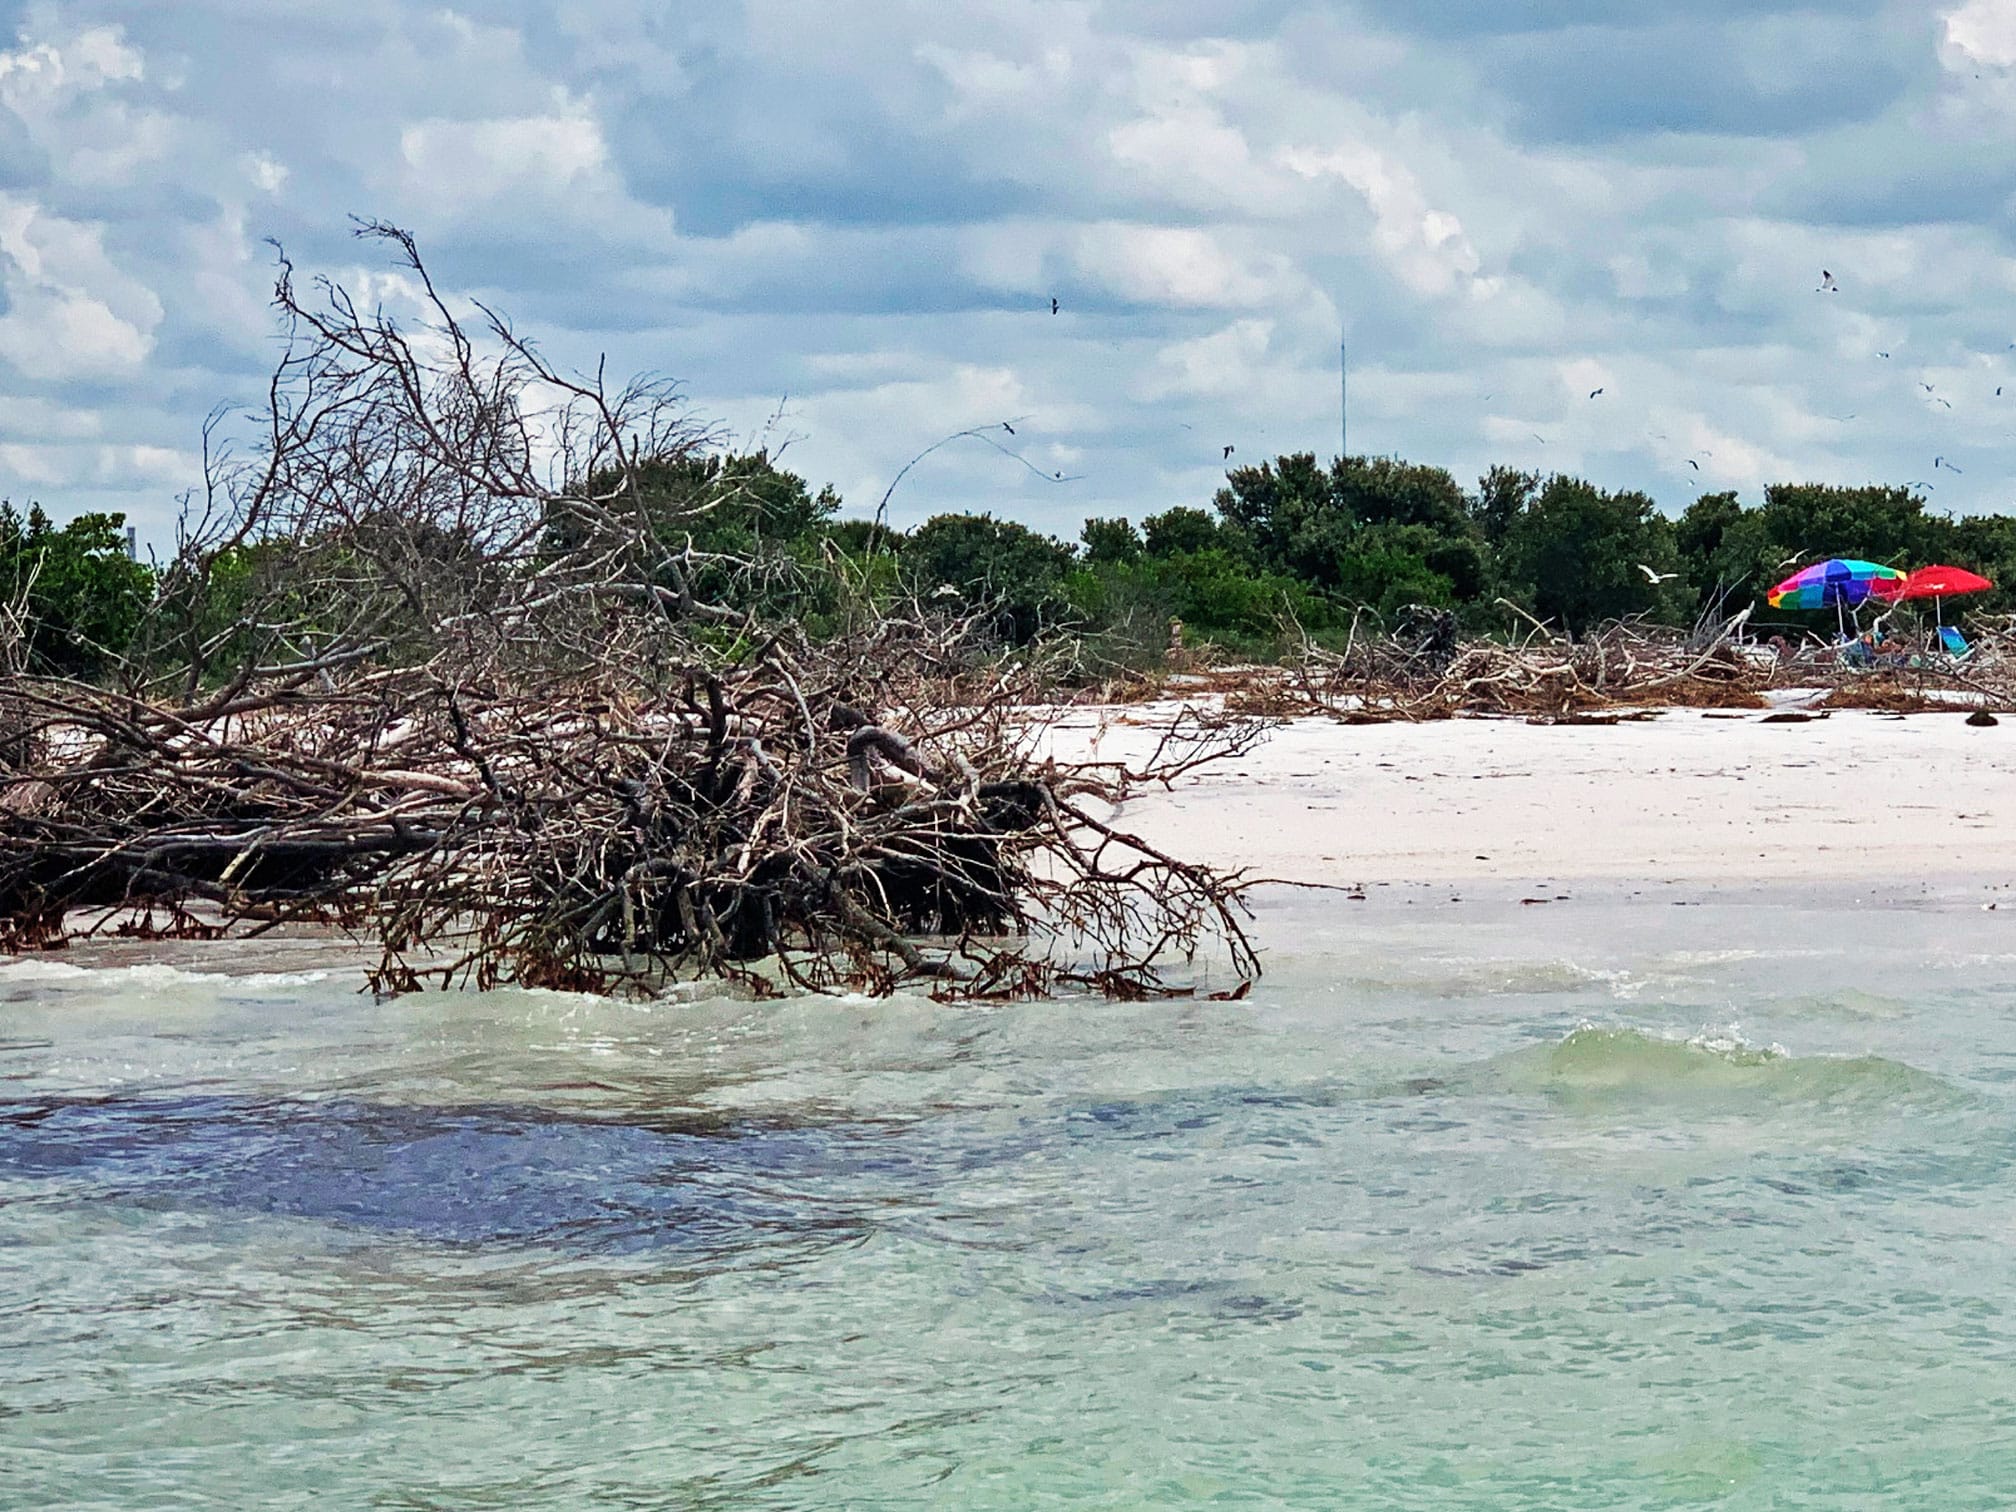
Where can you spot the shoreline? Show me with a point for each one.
(1861, 802)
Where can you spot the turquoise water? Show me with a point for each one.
(1616, 1205)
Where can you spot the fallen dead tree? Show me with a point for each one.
(748, 826)
(433, 665)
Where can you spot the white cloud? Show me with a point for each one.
(1983, 32)
(466, 162)
(1223, 365)
(71, 313)
(1176, 265)
(1426, 246)
(268, 174)
(40, 76)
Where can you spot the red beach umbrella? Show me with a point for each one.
(1934, 582)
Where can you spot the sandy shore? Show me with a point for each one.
(1855, 799)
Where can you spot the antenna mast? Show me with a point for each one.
(1343, 399)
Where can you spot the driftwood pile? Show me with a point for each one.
(1423, 670)
(862, 830)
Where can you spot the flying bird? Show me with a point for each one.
(1007, 427)
(1693, 464)
(1827, 283)
(1228, 452)
(1656, 578)
(1939, 462)
(1883, 354)
(1594, 392)
(1053, 304)
(1927, 387)
(1540, 438)
(1998, 392)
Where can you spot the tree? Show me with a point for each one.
(1370, 530)
(1181, 529)
(996, 562)
(1110, 541)
(1576, 555)
(83, 595)
(1502, 494)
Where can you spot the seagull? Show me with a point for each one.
(1998, 391)
(1939, 462)
(1883, 354)
(1693, 464)
(943, 590)
(1827, 283)
(1228, 452)
(1594, 392)
(1926, 386)
(1007, 427)
(1540, 438)
(1947, 402)
(1656, 577)
(1053, 304)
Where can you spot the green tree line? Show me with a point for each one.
(1285, 546)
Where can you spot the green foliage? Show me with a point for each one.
(1128, 606)
(1503, 494)
(84, 596)
(1369, 530)
(999, 563)
(1183, 529)
(1108, 541)
(1574, 556)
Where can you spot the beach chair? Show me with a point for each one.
(1953, 643)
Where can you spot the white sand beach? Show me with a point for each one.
(1891, 803)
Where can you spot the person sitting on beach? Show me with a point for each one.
(1876, 646)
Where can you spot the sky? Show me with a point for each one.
(841, 224)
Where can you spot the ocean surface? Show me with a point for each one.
(1597, 1204)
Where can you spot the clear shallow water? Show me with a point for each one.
(1481, 1207)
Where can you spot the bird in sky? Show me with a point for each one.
(1998, 391)
(1926, 386)
(1007, 427)
(1053, 304)
(1939, 462)
(1883, 354)
(1827, 284)
(1693, 464)
(1656, 578)
(1594, 392)
(1540, 438)
(1228, 451)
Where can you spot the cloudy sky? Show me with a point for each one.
(863, 208)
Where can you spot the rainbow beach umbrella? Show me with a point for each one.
(1837, 583)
